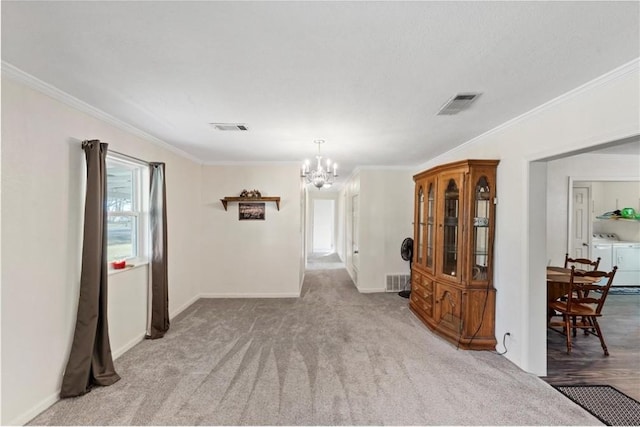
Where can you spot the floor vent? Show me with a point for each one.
(397, 282)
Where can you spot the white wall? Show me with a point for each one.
(589, 166)
(620, 194)
(606, 109)
(251, 258)
(42, 208)
(386, 214)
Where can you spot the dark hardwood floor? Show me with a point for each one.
(587, 363)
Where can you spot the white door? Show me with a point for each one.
(323, 225)
(581, 220)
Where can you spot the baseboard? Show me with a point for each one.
(252, 295)
(47, 402)
(183, 307)
(140, 337)
(371, 290)
(35, 411)
(122, 350)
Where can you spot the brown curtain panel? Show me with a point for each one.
(158, 316)
(90, 361)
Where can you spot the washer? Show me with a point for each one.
(602, 247)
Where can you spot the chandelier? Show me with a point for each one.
(320, 176)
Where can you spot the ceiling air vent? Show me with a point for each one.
(459, 102)
(229, 126)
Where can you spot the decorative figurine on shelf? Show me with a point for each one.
(253, 194)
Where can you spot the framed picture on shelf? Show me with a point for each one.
(251, 211)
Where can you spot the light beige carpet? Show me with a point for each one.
(324, 261)
(331, 357)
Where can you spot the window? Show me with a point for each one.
(126, 216)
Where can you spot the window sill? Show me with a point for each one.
(131, 265)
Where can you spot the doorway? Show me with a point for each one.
(323, 232)
(323, 235)
(573, 192)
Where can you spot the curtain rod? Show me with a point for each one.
(126, 156)
(129, 157)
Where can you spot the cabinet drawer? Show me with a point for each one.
(421, 304)
(416, 281)
(427, 284)
(422, 295)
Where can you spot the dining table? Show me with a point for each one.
(558, 280)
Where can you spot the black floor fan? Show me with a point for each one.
(406, 252)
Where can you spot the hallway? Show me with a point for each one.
(324, 261)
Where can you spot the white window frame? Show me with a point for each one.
(140, 206)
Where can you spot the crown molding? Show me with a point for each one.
(250, 163)
(14, 73)
(386, 168)
(607, 78)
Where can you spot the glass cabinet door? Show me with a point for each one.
(481, 221)
(451, 206)
(430, 239)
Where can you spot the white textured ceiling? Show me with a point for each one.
(368, 77)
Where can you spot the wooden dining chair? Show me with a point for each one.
(581, 263)
(585, 299)
(584, 264)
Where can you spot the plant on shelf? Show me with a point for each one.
(253, 194)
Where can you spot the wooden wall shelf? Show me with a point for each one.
(226, 200)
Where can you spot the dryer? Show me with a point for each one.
(612, 251)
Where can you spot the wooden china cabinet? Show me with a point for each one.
(451, 278)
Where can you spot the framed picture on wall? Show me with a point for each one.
(251, 211)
